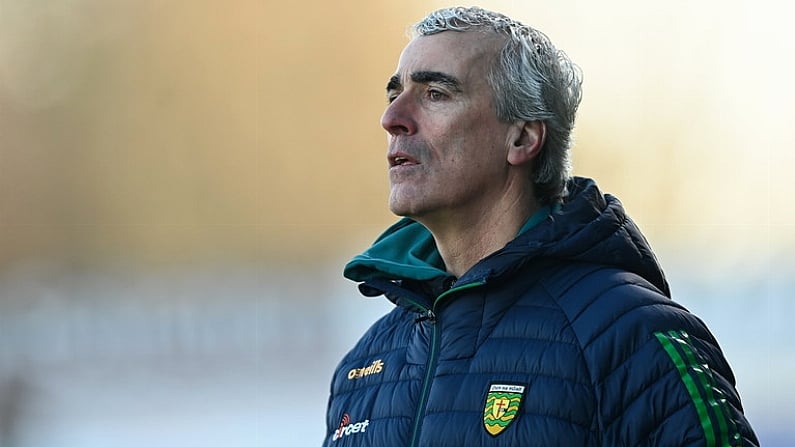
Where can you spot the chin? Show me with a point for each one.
(407, 202)
(399, 211)
(400, 207)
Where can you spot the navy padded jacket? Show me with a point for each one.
(565, 337)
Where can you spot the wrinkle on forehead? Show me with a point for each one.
(453, 52)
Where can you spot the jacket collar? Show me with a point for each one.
(588, 227)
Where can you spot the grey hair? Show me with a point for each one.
(532, 81)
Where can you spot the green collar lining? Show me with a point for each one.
(407, 250)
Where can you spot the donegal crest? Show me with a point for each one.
(502, 406)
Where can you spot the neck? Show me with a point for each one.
(464, 238)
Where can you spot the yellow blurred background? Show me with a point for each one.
(171, 132)
(206, 158)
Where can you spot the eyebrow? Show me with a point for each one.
(426, 77)
(393, 84)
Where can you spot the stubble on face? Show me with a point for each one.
(405, 180)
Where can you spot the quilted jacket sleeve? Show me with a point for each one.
(660, 377)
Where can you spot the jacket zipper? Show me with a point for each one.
(430, 366)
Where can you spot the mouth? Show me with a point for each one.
(401, 160)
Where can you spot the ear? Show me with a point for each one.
(528, 139)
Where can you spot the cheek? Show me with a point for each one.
(470, 138)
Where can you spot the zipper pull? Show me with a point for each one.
(449, 283)
(429, 315)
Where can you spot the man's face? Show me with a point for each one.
(447, 149)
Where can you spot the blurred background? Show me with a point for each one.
(182, 182)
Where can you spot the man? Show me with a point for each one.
(530, 310)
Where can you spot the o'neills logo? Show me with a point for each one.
(347, 429)
(375, 368)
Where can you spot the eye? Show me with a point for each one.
(436, 95)
(390, 97)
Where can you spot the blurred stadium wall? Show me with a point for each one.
(181, 182)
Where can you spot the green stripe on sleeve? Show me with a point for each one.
(702, 372)
(694, 371)
(692, 389)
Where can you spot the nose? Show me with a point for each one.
(398, 118)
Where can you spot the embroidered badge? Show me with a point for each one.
(502, 406)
